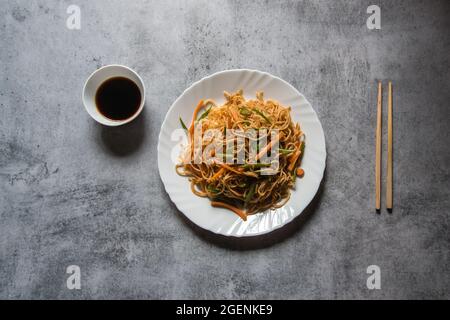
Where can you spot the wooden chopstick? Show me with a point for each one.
(378, 153)
(389, 164)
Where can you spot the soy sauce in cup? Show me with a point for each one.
(118, 98)
(114, 95)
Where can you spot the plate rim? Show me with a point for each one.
(277, 227)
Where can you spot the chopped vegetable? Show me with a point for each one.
(262, 115)
(234, 115)
(230, 168)
(239, 212)
(212, 189)
(217, 175)
(249, 195)
(197, 109)
(294, 177)
(245, 112)
(183, 125)
(302, 149)
(205, 114)
(300, 172)
(293, 158)
(285, 151)
(267, 147)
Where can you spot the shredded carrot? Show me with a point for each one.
(238, 170)
(234, 115)
(268, 147)
(194, 117)
(223, 165)
(217, 175)
(239, 212)
(300, 172)
(293, 160)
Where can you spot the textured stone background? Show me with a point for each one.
(74, 192)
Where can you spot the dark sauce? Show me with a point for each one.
(118, 98)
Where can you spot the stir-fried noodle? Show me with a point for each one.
(257, 174)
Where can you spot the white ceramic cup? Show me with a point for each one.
(97, 78)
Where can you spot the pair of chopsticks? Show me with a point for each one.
(378, 151)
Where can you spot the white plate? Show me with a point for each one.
(223, 221)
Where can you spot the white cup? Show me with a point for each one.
(97, 78)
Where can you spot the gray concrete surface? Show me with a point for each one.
(74, 192)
